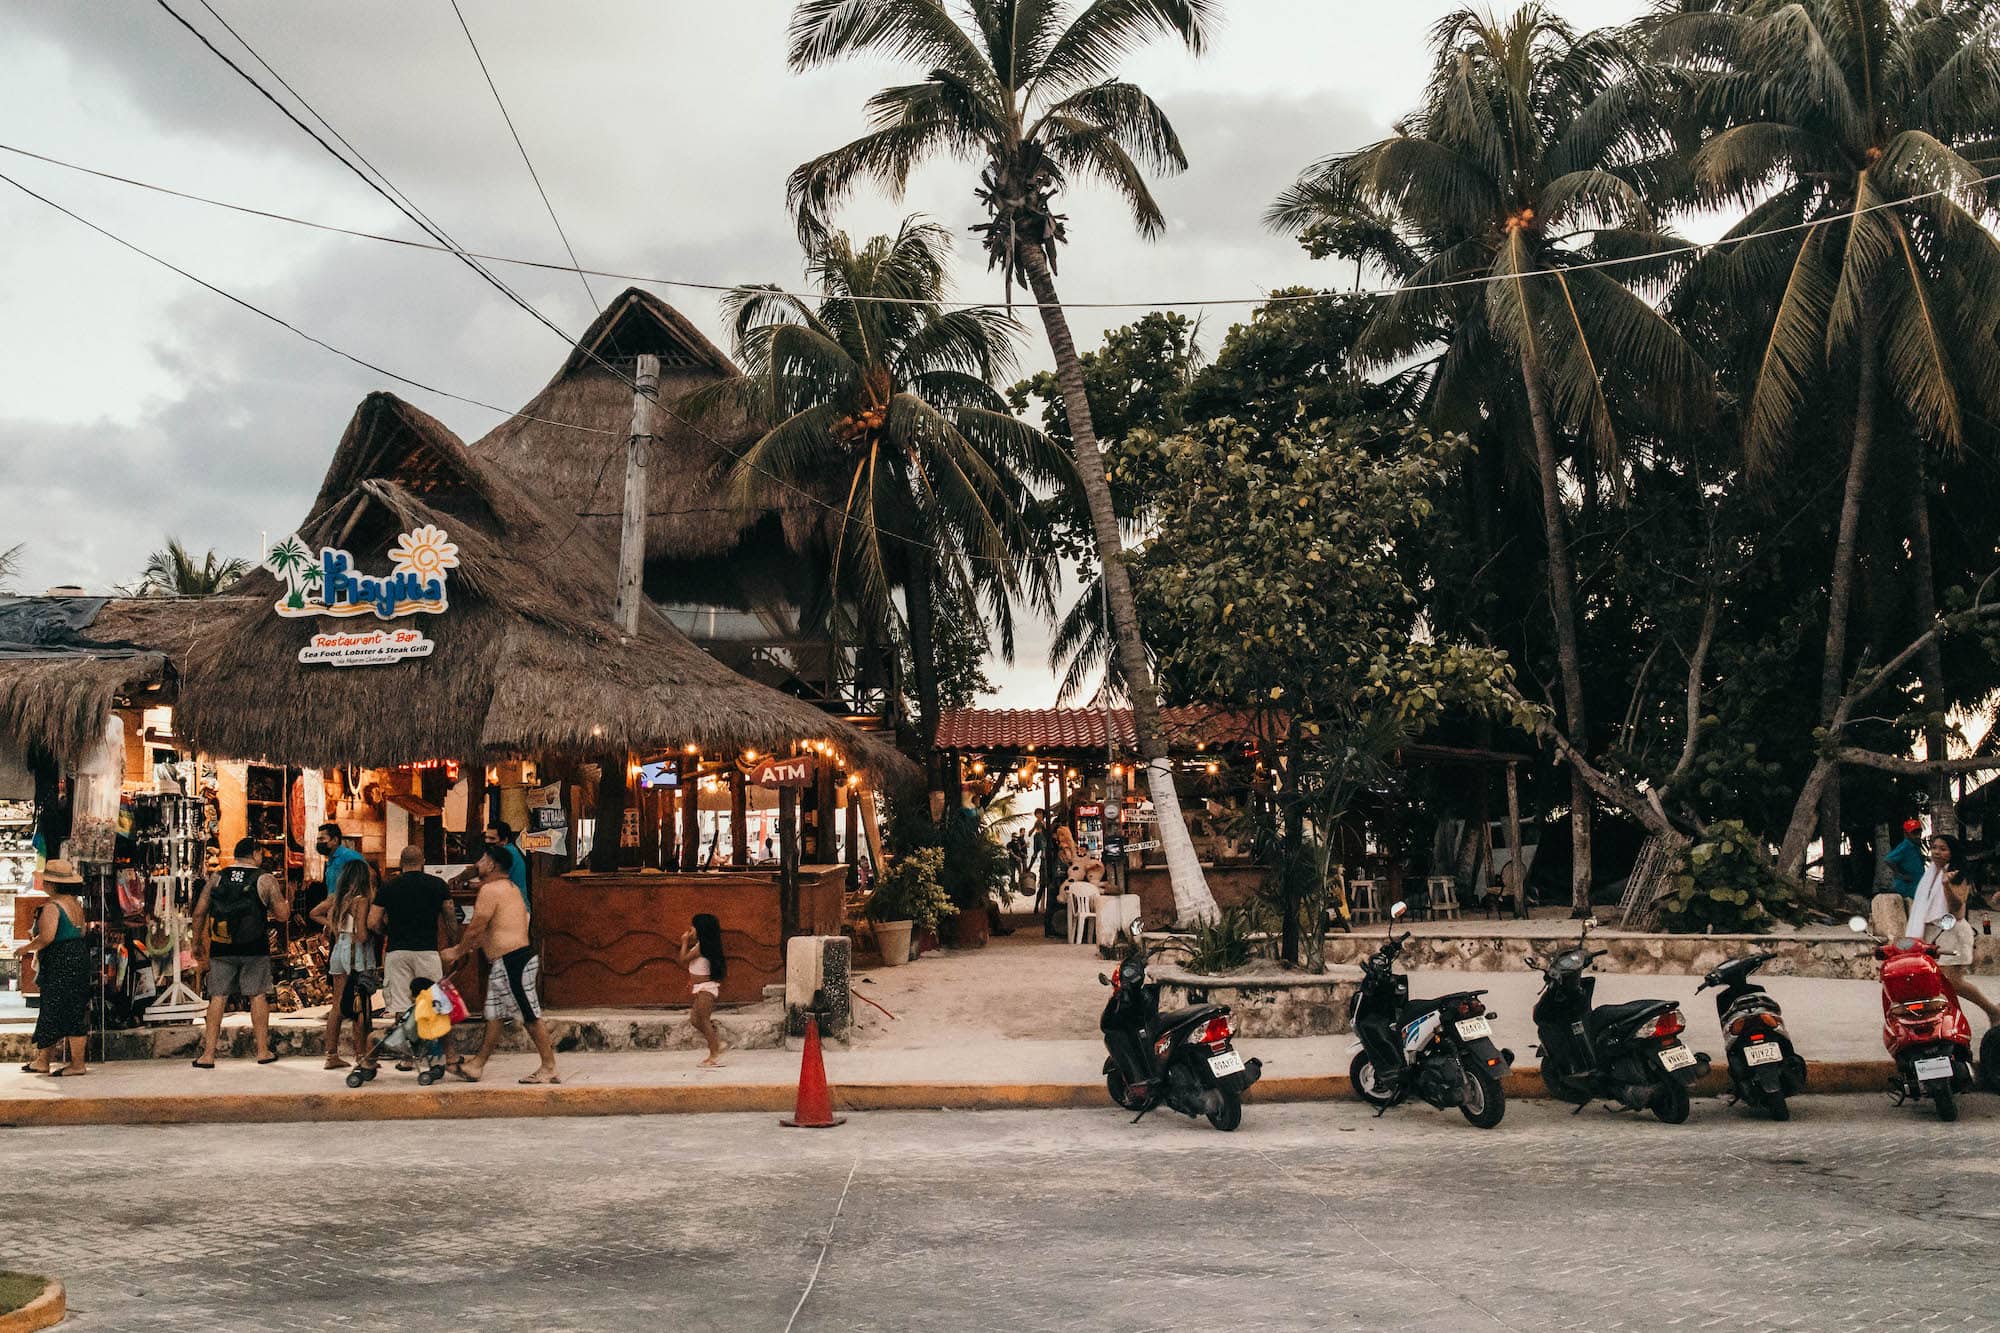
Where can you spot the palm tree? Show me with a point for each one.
(1864, 128)
(172, 572)
(889, 403)
(10, 563)
(1527, 162)
(1027, 88)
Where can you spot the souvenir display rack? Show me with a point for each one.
(167, 852)
(17, 860)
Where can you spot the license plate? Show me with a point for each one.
(1470, 1028)
(1763, 1053)
(1677, 1056)
(1935, 1067)
(1229, 1062)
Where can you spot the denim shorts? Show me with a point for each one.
(247, 977)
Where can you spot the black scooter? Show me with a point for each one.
(1183, 1060)
(1763, 1068)
(1440, 1050)
(1628, 1053)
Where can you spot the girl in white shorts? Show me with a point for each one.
(701, 955)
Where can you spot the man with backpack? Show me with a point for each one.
(232, 926)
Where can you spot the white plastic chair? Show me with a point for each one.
(1082, 912)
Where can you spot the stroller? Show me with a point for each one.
(434, 1007)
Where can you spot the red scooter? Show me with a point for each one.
(1925, 1031)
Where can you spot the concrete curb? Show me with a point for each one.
(484, 1103)
(45, 1310)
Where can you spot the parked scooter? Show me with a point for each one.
(1926, 1033)
(1763, 1068)
(1184, 1060)
(1440, 1050)
(1628, 1053)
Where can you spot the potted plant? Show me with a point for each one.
(908, 897)
(976, 866)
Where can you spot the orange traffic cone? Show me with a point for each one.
(815, 1105)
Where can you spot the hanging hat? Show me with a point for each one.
(60, 872)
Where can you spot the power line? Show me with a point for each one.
(533, 175)
(1267, 298)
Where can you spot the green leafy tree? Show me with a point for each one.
(1030, 90)
(1856, 133)
(1275, 581)
(890, 405)
(173, 572)
(1527, 162)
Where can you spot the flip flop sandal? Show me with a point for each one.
(268, 1060)
(198, 1064)
(30, 1069)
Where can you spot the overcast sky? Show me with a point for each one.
(134, 404)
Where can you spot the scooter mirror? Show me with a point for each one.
(1947, 921)
(1858, 924)
(1532, 961)
(1136, 929)
(1590, 923)
(1398, 910)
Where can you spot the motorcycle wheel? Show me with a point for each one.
(1670, 1103)
(1989, 1060)
(1552, 1080)
(1485, 1100)
(1114, 1083)
(1229, 1115)
(1946, 1099)
(1776, 1106)
(1361, 1073)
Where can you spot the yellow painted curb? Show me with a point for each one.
(482, 1103)
(44, 1311)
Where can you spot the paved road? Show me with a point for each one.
(1853, 1216)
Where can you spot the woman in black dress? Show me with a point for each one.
(62, 971)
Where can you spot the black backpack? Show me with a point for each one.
(237, 923)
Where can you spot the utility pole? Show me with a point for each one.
(632, 533)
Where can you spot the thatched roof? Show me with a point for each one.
(690, 515)
(527, 658)
(66, 662)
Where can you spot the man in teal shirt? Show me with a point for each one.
(338, 856)
(1888, 912)
(500, 836)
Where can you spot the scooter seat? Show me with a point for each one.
(1178, 1018)
(1623, 1017)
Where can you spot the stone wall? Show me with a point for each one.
(1846, 957)
(1268, 1004)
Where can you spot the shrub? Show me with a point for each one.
(1224, 945)
(909, 891)
(1725, 882)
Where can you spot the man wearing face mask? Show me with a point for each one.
(332, 845)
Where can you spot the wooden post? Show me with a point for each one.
(690, 814)
(432, 787)
(1520, 875)
(788, 864)
(605, 853)
(632, 532)
(475, 804)
(853, 834)
(823, 797)
(649, 827)
(739, 821)
(670, 855)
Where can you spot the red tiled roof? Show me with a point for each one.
(980, 729)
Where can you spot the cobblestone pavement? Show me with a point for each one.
(1855, 1215)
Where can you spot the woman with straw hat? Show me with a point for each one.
(62, 970)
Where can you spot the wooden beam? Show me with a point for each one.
(690, 815)
(739, 820)
(632, 530)
(788, 864)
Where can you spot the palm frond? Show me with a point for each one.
(1134, 120)
(1090, 47)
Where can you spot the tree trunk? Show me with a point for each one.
(920, 602)
(1930, 666)
(1292, 811)
(1192, 900)
(1840, 597)
(1560, 606)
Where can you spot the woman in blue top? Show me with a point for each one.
(62, 970)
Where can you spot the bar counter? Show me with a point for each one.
(615, 939)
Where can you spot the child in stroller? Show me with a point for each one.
(419, 1034)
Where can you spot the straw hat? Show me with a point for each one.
(60, 872)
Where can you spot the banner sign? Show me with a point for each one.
(1089, 811)
(1150, 844)
(370, 648)
(795, 771)
(548, 825)
(331, 585)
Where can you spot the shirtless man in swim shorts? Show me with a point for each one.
(499, 927)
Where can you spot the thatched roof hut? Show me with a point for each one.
(527, 659)
(67, 662)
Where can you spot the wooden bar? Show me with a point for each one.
(615, 939)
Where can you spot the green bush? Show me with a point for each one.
(1223, 946)
(975, 865)
(1725, 882)
(909, 891)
